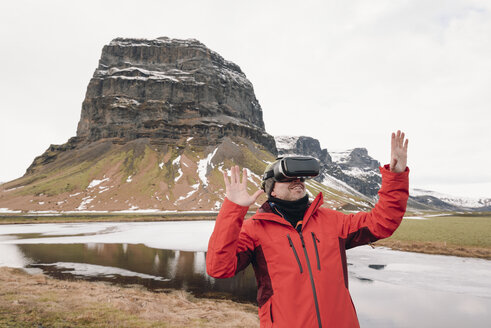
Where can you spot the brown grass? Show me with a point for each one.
(106, 218)
(39, 301)
(441, 248)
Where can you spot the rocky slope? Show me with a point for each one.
(160, 122)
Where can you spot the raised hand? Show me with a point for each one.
(236, 190)
(398, 152)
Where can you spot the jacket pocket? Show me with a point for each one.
(266, 315)
(316, 240)
(294, 252)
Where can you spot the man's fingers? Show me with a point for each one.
(397, 140)
(237, 174)
(405, 144)
(225, 178)
(257, 194)
(232, 175)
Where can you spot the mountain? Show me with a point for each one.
(354, 168)
(354, 172)
(450, 203)
(160, 122)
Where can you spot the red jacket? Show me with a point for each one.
(302, 277)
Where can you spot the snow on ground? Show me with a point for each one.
(195, 188)
(12, 188)
(85, 201)
(103, 189)
(6, 210)
(203, 167)
(179, 176)
(183, 235)
(161, 165)
(436, 272)
(96, 182)
(253, 177)
(177, 160)
(129, 179)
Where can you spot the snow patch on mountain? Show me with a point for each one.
(285, 142)
(453, 200)
(356, 172)
(96, 182)
(189, 194)
(336, 184)
(203, 167)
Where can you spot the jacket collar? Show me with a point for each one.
(265, 212)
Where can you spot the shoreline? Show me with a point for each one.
(426, 247)
(39, 300)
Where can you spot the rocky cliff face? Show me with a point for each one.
(160, 120)
(357, 169)
(354, 167)
(166, 90)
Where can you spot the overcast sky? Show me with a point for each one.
(345, 72)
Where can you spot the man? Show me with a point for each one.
(297, 249)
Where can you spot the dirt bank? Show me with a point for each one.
(438, 248)
(39, 301)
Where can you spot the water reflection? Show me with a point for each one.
(389, 288)
(179, 269)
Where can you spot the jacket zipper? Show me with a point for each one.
(311, 280)
(314, 238)
(295, 253)
(271, 311)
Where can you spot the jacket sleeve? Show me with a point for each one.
(230, 248)
(362, 228)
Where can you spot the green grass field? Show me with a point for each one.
(464, 235)
(452, 230)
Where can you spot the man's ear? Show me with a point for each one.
(273, 194)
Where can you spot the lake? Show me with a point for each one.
(389, 288)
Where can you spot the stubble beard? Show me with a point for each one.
(297, 191)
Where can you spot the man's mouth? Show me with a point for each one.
(296, 185)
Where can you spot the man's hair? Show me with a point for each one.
(268, 186)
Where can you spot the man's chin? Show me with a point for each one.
(298, 193)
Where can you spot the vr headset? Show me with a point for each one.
(293, 167)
